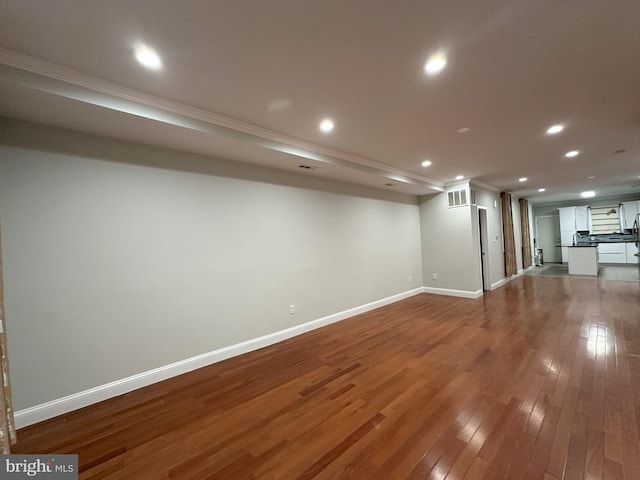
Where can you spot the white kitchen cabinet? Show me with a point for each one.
(583, 218)
(567, 219)
(583, 261)
(628, 212)
(612, 253)
(575, 218)
(572, 219)
(631, 251)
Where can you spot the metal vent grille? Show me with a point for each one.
(457, 198)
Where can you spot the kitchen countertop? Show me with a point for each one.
(606, 238)
(581, 245)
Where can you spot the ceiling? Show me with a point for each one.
(251, 81)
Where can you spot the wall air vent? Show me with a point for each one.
(307, 167)
(457, 198)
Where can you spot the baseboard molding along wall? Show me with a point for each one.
(500, 282)
(45, 411)
(453, 293)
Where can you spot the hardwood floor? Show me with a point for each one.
(607, 271)
(539, 379)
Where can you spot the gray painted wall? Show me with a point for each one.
(449, 248)
(120, 258)
(114, 269)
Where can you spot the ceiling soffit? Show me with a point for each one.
(61, 81)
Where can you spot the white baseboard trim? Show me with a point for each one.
(499, 283)
(45, 411)
(453, 293)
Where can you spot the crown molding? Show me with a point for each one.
(62, 81)
(476, 183)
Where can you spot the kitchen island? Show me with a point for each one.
(583, 260)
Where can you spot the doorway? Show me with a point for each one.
(484, 249)
(548, 238)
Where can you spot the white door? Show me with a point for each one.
(548, 238)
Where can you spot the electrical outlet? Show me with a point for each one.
(292, 309)
(410, 279)
(434, 276)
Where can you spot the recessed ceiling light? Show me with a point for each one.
(555, 129)
(541, 189)
(435, 63)
(148, 57)
(592, 176)
(459, 177)
(522, 179)
(588, 194)
(572, 153)
(426, 163)
(463, 130)
(326, 125)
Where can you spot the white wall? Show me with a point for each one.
(113, 269)
(449, 248)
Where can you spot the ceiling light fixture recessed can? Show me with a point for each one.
(588, 194)
(435, 63)
(552, 130)
(148, 57)
(522, 179)
(426, 163)
(572, 153)
(463, 130)
(326, 125)
(541, 189)
(459, 177)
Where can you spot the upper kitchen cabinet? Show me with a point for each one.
(628, 212)
(583, 218)
(567, 219)
(573, 219)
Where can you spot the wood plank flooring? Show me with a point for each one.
(539, 379)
